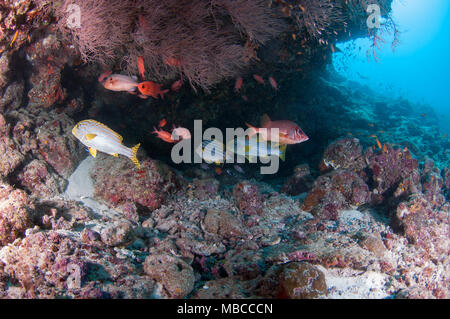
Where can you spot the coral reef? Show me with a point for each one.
(118, 183)
(361, 210)
(15, 213)
(335, 191)
(302, 281)
(300, 182)
(248, 198)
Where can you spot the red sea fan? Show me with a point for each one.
(253, 18)
(204, 41)
(316, 16)
(105, 27)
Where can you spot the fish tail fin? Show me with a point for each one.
(282, 148)
(253, 130)
(265, 120)
(133, 158)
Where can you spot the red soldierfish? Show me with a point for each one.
(238, 84)
(162, 123)
(289, 132)
(176, 85)
(273, 83)
(150, 88)
(165, 136)
(141, 66)
(259, 79)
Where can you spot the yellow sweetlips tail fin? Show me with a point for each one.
(282, 148)
(93, 151)
(133, 158)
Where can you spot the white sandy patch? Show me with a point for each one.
(80, 182)
(81, 188)
(351, 284)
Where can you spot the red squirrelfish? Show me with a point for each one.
(141, 66)
(150, 88)
(165, 136)
(259, 79)
(176, 85)
(273, 83)
(289, 132)
(162, 123)
(238, 84)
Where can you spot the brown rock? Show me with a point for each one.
(303, 281)
(118, 235)
(373, 244)
(174, 274)
(222, 223)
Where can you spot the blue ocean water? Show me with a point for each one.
(419, 68)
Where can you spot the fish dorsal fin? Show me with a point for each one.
(265, 120)
(90, 136)
(93, 151)
(108, 129)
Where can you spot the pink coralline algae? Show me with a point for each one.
(10, 156)
(302, 281)
(117, 182)
(51, 265)
(433, 184)
(25, 136)
(447, 179)
(222, 223)
(119, 234)
(332, 192)
(56, 144)
(16, 211)
(5, 69)
(248, 198)
(48, 57)
(205, 188)
(300, 182)
(395, 173)
(174, 274)
(344, 153)
(36, 178)
(425, 226)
